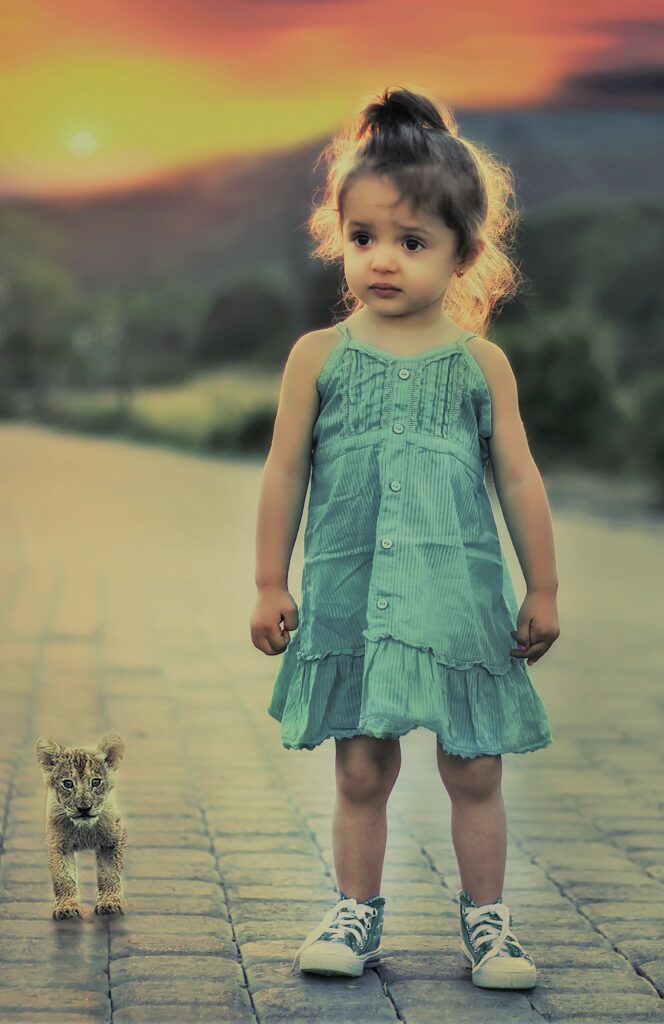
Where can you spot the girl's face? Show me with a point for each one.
(384, 242)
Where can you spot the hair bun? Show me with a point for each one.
(402, 107)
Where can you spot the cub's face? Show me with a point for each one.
(81, 785)
(80, 779)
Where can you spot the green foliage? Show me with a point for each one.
(647, 429)
(565, 366)
(229, 410)
(606, 258)
(247, 321)
(584, 339)
(323, 299)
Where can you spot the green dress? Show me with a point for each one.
(407, 601)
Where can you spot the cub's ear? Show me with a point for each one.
(48, 752)
(112, 747)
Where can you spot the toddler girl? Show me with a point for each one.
(407, 602)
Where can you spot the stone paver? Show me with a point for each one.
(126, 591)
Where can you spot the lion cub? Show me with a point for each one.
(81, 814)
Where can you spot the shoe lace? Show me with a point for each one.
(346, 916)
(352, 917)
(492, 924)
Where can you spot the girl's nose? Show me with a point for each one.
(382, 261)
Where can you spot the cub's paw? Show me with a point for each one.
(112, 904)
(67, 908)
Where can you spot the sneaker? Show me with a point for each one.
(496, 958)
(347, 938)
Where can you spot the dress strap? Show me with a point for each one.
(335, 352)
(342, 327)
(346, 336)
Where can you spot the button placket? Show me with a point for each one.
(394, 456)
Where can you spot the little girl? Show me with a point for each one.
(407, 602)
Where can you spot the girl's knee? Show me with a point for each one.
(476, 777)
(367, 770)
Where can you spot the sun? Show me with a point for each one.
(82, 144)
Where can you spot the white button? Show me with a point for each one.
(395, 485)
(398, 428)
(404, 374)
(386, 542)
(381, 603)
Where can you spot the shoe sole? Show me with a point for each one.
(488, 977)
(325, 958)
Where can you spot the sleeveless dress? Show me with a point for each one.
(407, 601)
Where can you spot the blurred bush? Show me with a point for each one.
(175, 362)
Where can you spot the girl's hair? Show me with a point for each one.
(416, 143)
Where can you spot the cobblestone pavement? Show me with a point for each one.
(127, 586)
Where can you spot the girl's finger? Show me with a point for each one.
(523, 645)
(537, 650)
(537, 647)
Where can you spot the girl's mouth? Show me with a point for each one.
(381, 290)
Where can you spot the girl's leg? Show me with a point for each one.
(366, 769)
(479, 828)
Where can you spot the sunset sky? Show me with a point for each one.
(107, 93)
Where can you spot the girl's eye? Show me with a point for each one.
(363, 234)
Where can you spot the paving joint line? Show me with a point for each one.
(187, 762)
(29, 715)
(28, 740)
(625, 853)
(228, 902)
(607, 837)
(444, 886)
(312, 837)
(106, 724)
(579, 911)
(306, 830)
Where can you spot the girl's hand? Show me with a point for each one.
(537, 626)
(274, 605)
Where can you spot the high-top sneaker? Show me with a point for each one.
(346, 939)
(497, 959)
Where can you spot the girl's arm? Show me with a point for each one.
(517, 479)
(525, 506)
(280, 505)
(282, 493)
(288, 466)
(526, 510)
